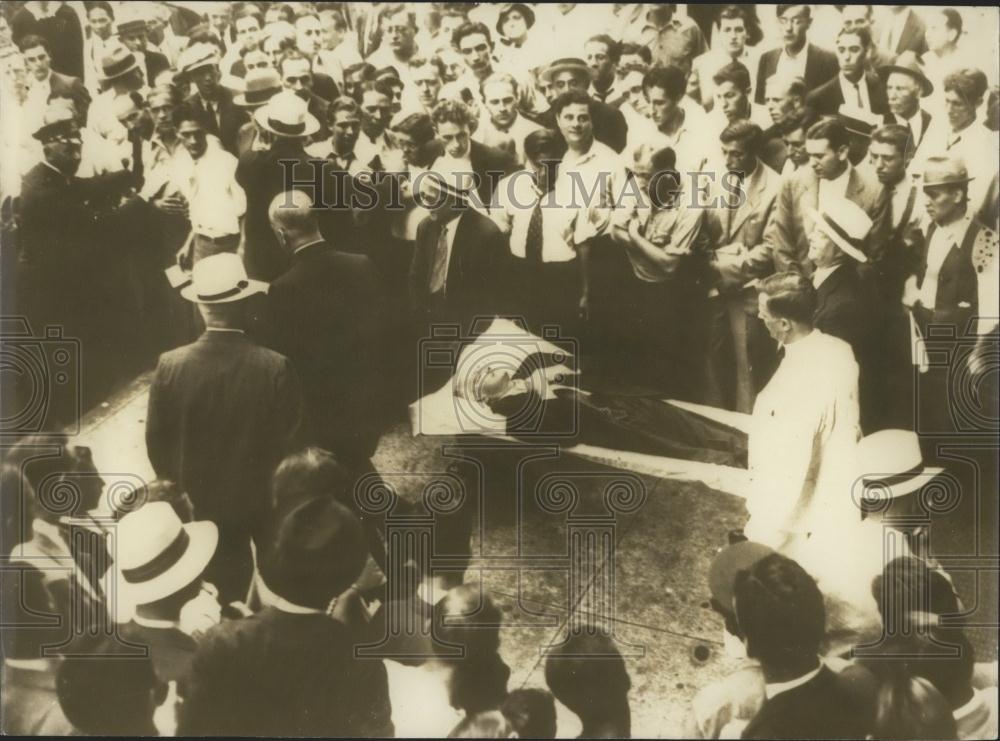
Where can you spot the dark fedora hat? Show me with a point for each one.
(316, 553)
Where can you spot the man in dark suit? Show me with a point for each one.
(284, 123)
(199, 63)
(70, 269)
(817, 66)
(845, 306)
(454, 275)
(609, 123)
(327, 314)
(60, 26)
(945, 289)
(223, 412)
(854, 86)
(454, 150)
(830, 173)
(290, 668)
(903, 31)
(905, 85)
(781, 616)
(37, 59)
(132, 33)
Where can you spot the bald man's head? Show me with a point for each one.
(293, 220)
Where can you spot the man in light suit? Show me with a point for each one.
(830, 173)
(741, 353)
(223, 412)
(855, 85)
(903, 30)
(796, 57)
(46, 83)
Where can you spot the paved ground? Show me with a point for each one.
(652, 595)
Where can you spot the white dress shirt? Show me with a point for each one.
(216, 202)
(513, 204)
(916, 125)
(836, 188)
(803, 432)
(851, 91)
(789, 66)
(943, 239)
(772, 689)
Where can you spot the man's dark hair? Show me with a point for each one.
(664, 160)
(897, 135)
(613, 47)
(286, 10)
(670, 79)
(790, 296)
(743, 131)
(33, 40)
(202, 34)
(587, 674)
(187, 112)
(248, 11)
(735, 73)
(571, 97)
(831, 129)
(292, 54)
(468, 29)
(367, 70)
(544, 144)
(643, 52)
(907, 583)
(417, 125)
(311, 472)
(953, 19)
(108, 695)
(803, 119)
(782, 9)
(969, 83)
(862, 33)
(531, 712)
(778, 605)
(103, 5)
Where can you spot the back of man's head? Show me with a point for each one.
(587, 674)
(780, 612)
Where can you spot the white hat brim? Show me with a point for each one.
(253, 286)
(103, 78)
(908, 487)
(844, 245)
(204, 537)
(312, 125)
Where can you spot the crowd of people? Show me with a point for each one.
(788, 212)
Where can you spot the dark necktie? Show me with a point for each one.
(857, 90)
(533, 239)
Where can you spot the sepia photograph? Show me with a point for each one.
(499, 370)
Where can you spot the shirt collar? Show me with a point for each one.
(975, 705)
(307, 244)
(154, 623)
(820, 275)
(800, 346)
(772, 689)
(955, 231)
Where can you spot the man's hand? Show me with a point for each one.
(911, 294)
(201, 613)
(173, 204)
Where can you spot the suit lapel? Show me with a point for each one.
(750, 202)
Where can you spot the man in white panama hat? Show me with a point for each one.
(844, 304)
(158, 563)
(223, 412)
(283, 127)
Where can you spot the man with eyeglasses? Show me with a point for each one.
(398, 47)
(796, 57)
